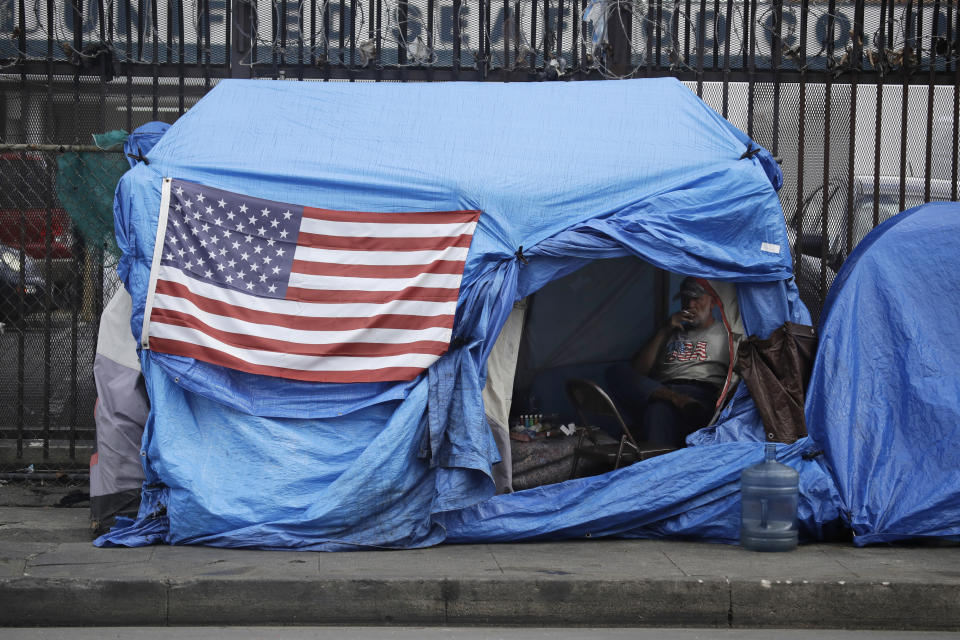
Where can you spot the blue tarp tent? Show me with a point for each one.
(569, 172)
(884, 397)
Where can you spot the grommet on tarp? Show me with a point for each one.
(750, 152)
(520, 256)
(139, 157)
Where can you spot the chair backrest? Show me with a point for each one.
(589, 399)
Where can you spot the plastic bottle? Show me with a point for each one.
(769, 496)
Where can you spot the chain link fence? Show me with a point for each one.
(860, 102)
(58, 257)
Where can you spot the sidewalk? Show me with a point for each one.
(51, 575)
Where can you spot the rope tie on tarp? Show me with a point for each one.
(751, 151)
(138, 156)
(519, 255)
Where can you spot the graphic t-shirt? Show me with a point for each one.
(695, 354)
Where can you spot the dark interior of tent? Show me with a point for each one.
(577, 327)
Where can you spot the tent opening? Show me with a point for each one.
(578, 326)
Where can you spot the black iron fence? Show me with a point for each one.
(860, 101)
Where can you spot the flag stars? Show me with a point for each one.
(272, 288)
(205, 227)
(208, 274)
(265, 212)
(199, 197)
(283, 233)
(221, 203)
(274, 223)
(179, 191)
(267, 259)
(252, 219)
(243, 208)
(257, 249)
(249, 285)
(286, 215)
(245, 256)
(261, 231)
(280, 252)
(249, 239)
(209, 210)
(235, 245)
(230, 215)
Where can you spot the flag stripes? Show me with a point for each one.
(304, 293)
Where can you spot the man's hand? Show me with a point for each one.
(678, 319)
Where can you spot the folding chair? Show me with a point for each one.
(590, 400)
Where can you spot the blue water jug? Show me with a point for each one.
(769, 496)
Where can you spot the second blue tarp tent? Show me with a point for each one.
(884, 400)
(563, 174)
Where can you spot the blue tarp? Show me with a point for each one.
(572, 172)
(884, 397)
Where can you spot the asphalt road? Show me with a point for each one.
(458, 633)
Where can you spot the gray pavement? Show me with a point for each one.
(50, 575)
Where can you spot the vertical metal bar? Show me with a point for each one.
(674, 53)
(856, 61)
(141, 12)
(326, 36)
(485, 50)
(181, 54)
(401, 29)
(659, 34)
(751, 82)
(746, 35)
(701, 43)
(430, 11)
(726, 59)
(928, 157)
(546, 32)
(457, 9)
(716, 34)
(282, 25)
(129, 53)
(49, 104)
(169, 44)
(505, 31)
(155, 64)
(206, 43)
(313, 30)
(686, 32)
(559, 37)
(576, 11)
(300, 25)
(776, 60)
(21, 337)
(904, 104)
(47, 309)
(228, 32)
(353, 34)
(955, 171)
(801, 133)
(649, 33)
(882, 56)
(827, 125)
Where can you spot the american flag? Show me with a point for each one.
(300, 292)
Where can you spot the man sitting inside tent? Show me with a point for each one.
(671, 385)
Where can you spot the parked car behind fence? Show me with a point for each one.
(38, 248)
(820, 258)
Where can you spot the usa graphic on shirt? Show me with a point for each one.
(686, 351)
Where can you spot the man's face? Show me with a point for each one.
(696, 311)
